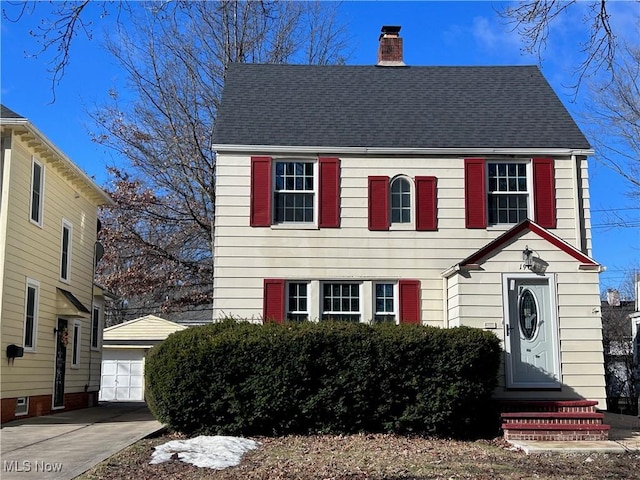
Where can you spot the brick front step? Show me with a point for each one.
(564, 418)
(557, 436)
(553, 420)
(548, 405)
(555, 432)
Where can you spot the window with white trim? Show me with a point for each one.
(384, 303)
(32, 294)
(507, 192)
(37, 191)
(297, 301)
(341, 301)
(65, 248)
(294, 195)
(75, 354)
(400, 201)
(22, 406)
(95, 328)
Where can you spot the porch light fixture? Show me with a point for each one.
(533, 262)
(527, 258)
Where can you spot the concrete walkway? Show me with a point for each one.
(65, 445)
(624, 436)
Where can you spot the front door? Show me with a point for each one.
(62, 339)
(531, 332)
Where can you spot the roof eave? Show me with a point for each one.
(101, 194)
(487, 151)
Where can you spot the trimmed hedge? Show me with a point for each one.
(238, 378)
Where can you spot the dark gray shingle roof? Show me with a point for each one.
(8, 113)
(401, 107)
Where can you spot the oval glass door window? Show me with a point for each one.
(528, 313)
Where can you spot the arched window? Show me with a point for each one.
(400, 200)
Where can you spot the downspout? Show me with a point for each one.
(445, 303)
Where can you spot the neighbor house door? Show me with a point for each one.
(62, 337)
(531, 332)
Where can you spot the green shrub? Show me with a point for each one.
(240, 378)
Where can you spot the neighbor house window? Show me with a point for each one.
(298, 301)
(95, 328)
(75, 356)
(294, 192)
(65, 256)
(31, 314)
(341, 301)
(384, 303)
(37, 191)
(22, 406)
(508, 192)
(400, 201)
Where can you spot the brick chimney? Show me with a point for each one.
(390, 47)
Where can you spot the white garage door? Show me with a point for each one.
(122, 376)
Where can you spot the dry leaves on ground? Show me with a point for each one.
(373, 457)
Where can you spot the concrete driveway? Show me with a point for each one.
(64, 445)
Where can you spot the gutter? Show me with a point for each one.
(399, 151)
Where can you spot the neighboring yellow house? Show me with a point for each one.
(51, 313)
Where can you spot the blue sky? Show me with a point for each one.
(435, 33)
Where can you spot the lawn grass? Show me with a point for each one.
(373, 457)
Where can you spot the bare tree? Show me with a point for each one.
(533, 20)
(159, 236)
(56, 32)
(611, 64)
(613, 115)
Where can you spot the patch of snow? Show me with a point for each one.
(217, 452)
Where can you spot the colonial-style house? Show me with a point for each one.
(445, 196)
(51, 313)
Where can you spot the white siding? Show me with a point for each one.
(578, 301)
(244, 256)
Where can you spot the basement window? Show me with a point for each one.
(22, 406)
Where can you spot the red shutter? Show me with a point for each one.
(409, 301)
(475, 193)
(378, 203)
(273, 300)
(544, 193)
(329, 187)
(260, 210)
(426, 203)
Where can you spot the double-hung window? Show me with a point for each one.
(400, 201)
(65, 256)
(294, 192)
(304, 193)
(508, 192)
(298, 301)
(37, 191)
(31, 314)
(75, 355)
(341, 301)
(95, 328)
(385, 304)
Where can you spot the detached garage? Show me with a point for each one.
(124, 349)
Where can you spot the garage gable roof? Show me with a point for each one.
(148, 327)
